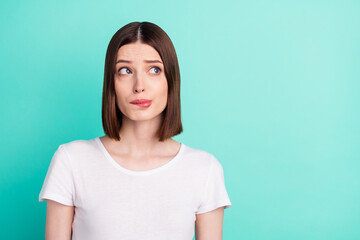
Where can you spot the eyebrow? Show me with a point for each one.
(147, 61)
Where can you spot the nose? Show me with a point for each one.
(139, 84)
(139, 90)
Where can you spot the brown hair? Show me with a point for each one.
(153, 35)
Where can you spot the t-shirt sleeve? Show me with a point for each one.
(58, 184)
(214, 194)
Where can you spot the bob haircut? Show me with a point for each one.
(153, 35)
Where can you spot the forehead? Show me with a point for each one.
(137, 50)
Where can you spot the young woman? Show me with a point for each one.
(136, 182)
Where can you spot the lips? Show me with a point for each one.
(144, 103)
(140, 101)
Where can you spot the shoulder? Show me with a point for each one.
(80, 147)
(79, 143)
(200, 156)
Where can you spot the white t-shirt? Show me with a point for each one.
(112, 202)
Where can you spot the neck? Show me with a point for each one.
(138, 138)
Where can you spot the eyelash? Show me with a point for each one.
(159, 69)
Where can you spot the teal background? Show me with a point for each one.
(271, 88)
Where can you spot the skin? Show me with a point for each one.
(209, 225)
(138, 148)
(59, 220)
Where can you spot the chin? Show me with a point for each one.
(144, 117)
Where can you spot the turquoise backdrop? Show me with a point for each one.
(271, 88)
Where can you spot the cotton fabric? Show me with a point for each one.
(112, 202)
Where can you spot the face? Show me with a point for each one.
(140, 75)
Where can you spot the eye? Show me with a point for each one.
(157, 70)
(124, 70)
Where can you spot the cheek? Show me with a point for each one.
(164, 85)
(119, 95)
(164, 90)
(121, 87)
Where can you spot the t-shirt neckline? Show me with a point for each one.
(138, 173)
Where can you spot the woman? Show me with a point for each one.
(136, 182)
